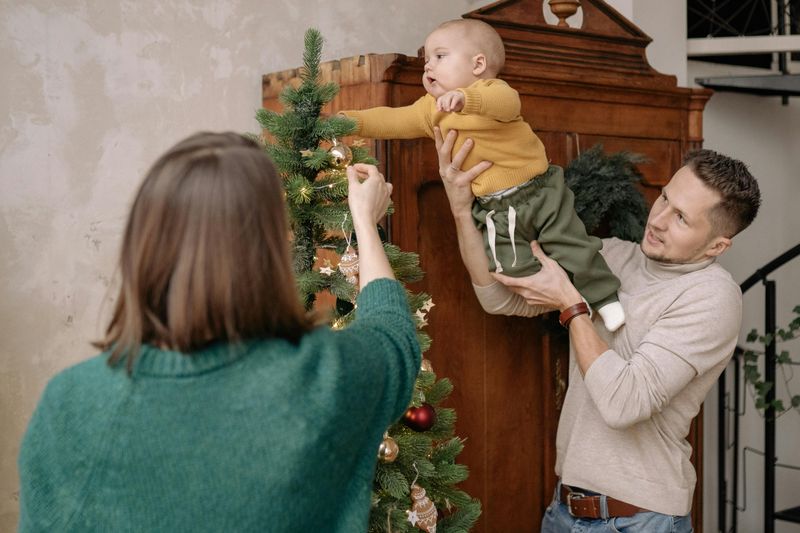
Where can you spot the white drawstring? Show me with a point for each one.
(492, 236)
(512, 223)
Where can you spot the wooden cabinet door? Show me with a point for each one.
(509, 373)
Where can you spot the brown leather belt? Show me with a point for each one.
(582, 505)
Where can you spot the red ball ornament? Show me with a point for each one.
(420, 418)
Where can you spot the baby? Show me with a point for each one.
(521, 197)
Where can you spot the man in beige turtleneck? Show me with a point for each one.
(622, 457)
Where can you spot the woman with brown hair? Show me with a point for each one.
(216, 404)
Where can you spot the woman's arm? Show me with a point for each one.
(383, 323)
(368, 197)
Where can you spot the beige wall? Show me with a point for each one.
(94, 91)
(766, 136)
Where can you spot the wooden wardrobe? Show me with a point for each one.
(579, 87)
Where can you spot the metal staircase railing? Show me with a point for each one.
(770, 515)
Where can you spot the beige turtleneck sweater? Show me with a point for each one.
(624, 424)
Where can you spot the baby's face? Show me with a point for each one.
(448, 62)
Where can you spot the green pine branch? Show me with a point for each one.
(439, 391)
(463, 519)
(605, 192)
(312, 53)
(447, 451)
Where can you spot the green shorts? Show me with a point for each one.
(542, 209)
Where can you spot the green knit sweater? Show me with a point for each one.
(262, 436)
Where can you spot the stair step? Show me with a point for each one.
(789, 515)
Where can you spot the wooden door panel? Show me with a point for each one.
(554, 113)
(663, 158)
(507, 372)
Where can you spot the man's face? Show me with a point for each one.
(448, 62)
(678, 229)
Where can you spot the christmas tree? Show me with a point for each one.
(416, 472)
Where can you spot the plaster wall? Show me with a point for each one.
(766, 135)
(92, 93)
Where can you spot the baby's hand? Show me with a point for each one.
(450, 101)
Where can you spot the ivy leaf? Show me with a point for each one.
(763, 387)
(751, 373)
(750, 358)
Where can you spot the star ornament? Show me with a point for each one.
(427, 305)
(326, 270)
(413, 517)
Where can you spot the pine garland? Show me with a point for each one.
(316, 197)
(606, 197)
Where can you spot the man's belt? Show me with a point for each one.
(582, 505)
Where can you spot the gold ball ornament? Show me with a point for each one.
(388, 450)
(348, 265)
(423, 513)
(340, 154)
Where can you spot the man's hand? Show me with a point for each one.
(457, 186)
(457, 182)
(550, 287)
(450, 101)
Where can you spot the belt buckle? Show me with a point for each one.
(570, 496)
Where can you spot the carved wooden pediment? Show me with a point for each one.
(600, 19)
(604, 46)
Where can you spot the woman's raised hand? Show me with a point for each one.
(368, 193)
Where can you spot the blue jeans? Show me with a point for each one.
(558, 520)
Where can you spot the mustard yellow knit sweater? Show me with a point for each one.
(490, 117)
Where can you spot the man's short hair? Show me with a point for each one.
(738, 189)
(486, 40)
